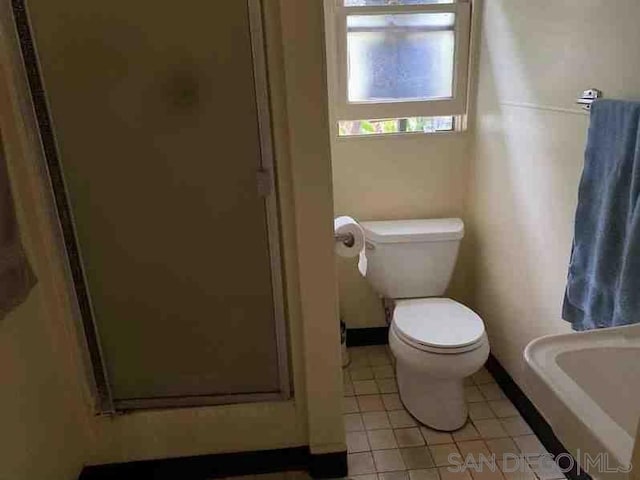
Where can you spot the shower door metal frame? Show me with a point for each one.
(265, 182)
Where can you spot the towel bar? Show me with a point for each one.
(588, 97)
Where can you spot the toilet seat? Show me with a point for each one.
(438, 325)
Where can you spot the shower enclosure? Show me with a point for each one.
(156, 123)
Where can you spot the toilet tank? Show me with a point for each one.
(412, 258)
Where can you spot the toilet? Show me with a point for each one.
(436, 341)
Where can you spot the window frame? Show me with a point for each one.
(456, 105)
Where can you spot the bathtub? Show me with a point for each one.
(587, 386)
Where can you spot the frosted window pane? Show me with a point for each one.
(384, 3)
(400, 57)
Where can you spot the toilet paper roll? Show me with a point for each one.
(347, 225)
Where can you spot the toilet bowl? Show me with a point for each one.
(436, 341)
(432, 361)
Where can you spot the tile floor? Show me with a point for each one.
(386, 443)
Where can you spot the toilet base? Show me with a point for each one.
(437, 403)
(431, 385)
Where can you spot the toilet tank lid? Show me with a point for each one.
(421, 230)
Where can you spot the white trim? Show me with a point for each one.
(271, 201)
(456, 105)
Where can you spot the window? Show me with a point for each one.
(403, 63)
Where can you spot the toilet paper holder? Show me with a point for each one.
(347, 238)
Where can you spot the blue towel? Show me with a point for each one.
(603, 287)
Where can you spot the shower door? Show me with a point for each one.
(160, 115)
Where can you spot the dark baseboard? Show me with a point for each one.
(532, 416)
(203, 467)
(360, 337)
(328, 465)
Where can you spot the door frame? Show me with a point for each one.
(105, 404)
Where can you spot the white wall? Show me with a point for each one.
(535, 60)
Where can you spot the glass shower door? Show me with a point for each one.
(161, 122)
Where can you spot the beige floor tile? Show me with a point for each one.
(480, 411)
(490, 428)
(486, 472)
(360, 463)
(409, 437)
(468, 382)
(370, 403)
(545, 468)
(382, 439)
(435, 437)
(516, 468)
(424, 474)
(384, 371)
(361, 373)
(388, 460)
(365, 387)
(353, 422)
(401, 419)
(349, 405)
(519, 475)
(370, 476)
(444, 454)
(501, 447)
(377, 359)
(404, 475)
(482, 376)
(387, 385)
(357, 353)
(473, 394)
(392, 401)
(347, 390)
(358, 362)
(516, 426)
(417, 458)
(468, 432)
(491, 391)
(449, 473)
(357, 442)
(503, 408)
(376, 420)
(376, 349)
(474, 450)
(530, 445)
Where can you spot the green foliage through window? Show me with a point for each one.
(396, 125)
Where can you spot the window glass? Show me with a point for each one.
(400, 57)
(396, 125)
(386, 3)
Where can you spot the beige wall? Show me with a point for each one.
(398, 177)
(43, 418)
(530, 137)
(410, 176)
(48, 430)
(313, 417)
